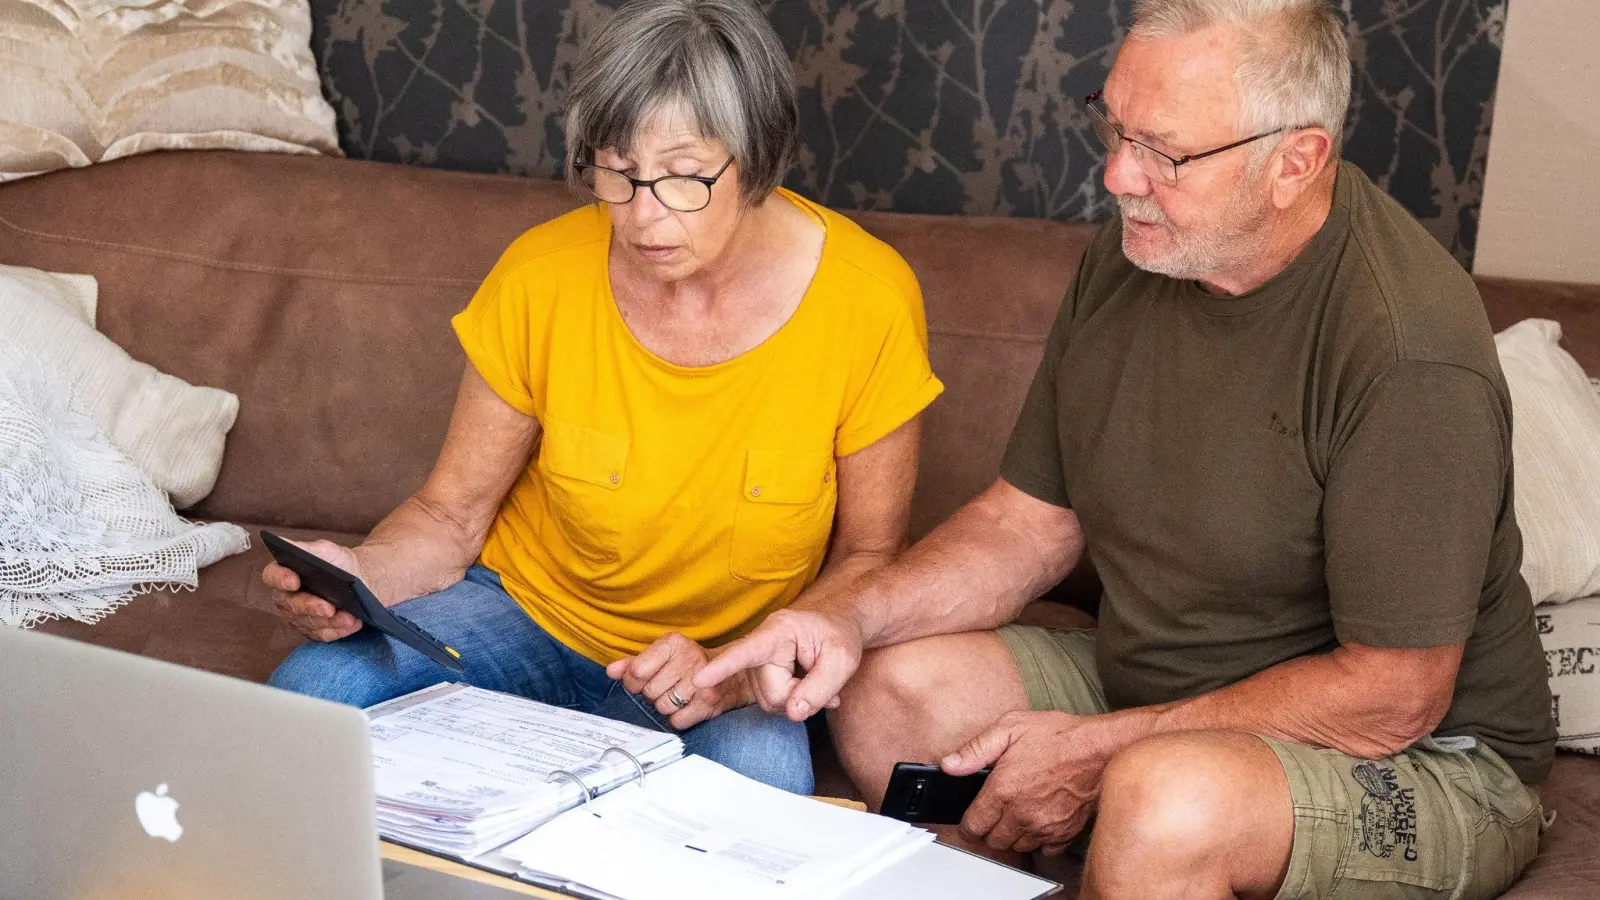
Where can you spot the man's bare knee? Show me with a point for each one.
(1193, 808)
(886, 707)
(890, 679)
(920, 700)
(1163, 794)
(949, 686)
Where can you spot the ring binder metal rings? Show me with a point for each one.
(583, 788)
(631, 758)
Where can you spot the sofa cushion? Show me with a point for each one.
(334, 332)
(991, 287)
(1575, 306)
(1568, 864)
(225, 625)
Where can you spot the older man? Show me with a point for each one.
(1270, 409)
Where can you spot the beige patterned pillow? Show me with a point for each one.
(88, 81)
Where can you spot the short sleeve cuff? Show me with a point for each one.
(484, 363)
(870, 433)
(1036, 485)
(1404, 632)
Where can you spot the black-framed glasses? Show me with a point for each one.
(684, 193)
(1155, 164)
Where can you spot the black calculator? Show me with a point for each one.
(335, 585)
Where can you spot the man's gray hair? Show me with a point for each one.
(718, 61)
(1295, 65)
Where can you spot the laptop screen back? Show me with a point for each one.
(129, 778)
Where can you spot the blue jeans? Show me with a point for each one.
(505, 650)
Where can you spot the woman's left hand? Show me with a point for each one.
(664, 675)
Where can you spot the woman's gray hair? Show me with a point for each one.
(719, 61)
(1295, 66)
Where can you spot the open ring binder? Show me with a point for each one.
(588, 794)
(631, 758)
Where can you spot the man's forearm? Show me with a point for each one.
(974, 572)
(1318, 701)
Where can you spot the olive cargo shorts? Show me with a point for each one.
(1446, 819)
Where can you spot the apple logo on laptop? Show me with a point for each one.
(158, 814)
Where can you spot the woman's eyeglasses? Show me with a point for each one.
(684, 193)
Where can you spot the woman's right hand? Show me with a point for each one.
(311, 615)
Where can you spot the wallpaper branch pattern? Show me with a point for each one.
(941, 106)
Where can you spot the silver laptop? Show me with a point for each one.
(126, 777)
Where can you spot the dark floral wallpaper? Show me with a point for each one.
(943, 106)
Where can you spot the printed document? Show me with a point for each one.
(460, 769)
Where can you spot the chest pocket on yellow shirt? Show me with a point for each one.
(784, 515)
(584, 471)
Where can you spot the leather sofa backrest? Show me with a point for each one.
(319, 290)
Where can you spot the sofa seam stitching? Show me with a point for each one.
(135, 250)
(258, 268)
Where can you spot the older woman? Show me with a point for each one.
(675, 398)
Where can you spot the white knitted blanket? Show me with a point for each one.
(82, 529)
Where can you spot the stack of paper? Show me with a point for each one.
(698, 830)
(459, 770)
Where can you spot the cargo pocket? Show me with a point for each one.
(584, 472)
(784, 514)
(1405, 829)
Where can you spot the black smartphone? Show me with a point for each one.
(346, 591)
(927, 795)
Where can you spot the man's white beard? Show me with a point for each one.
(1195, 254)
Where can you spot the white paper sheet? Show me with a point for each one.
(699, 830)
(940, 872)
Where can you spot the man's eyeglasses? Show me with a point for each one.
(684, 193)
(1157, 165)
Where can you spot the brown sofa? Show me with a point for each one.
(319, 291)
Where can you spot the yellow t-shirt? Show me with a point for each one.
(670, 498)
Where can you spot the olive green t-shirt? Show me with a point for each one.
(1326, 458)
